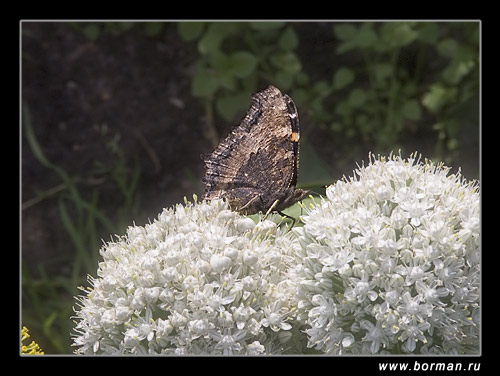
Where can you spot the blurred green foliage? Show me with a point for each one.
(48, 297)
(403, 78)
(234, 57)
(390, 81)
(95, 30)
(404, 95)
(399, 79)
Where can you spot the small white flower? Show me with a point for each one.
(324, 309)
(361, 289)
(228, 343)
(244, 224)
(384, 193)
(375, 336)
(219, 263)
(256, 348)
(412, 333)
(250, 257)
(274, 318)
(416, 210)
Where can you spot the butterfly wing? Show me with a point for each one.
(259, 157)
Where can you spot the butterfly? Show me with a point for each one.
(255, 167)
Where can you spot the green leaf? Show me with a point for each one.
(296, 210)
(226, 80)
(342, 78)
(366, 37)
(215, 34)
(397, 34)
(336, 126)
(284, 79)
(457, 70)
(345, 47)
(357, 97)
(344, 31)
(209, 43)
(411, 110)
(301, 79)
(229, 105)
(204, 84)
(452, 144)
(29, 133)
(92, 31)
(264, 26)
(448, 47)
(322, 88)
(190, 31)
(382, 72)
(218, 60)
(126, 26)
(288, 61)
(343, 108)
(153, 28)
(288, 40)
(428, 32)
(242, 64)
(438, 96)
(314, 171)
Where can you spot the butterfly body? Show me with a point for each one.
(255, 167)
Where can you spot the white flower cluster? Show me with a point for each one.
(200, 279)
(389, 262)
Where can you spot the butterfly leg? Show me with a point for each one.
(270, 209)
(289, 217)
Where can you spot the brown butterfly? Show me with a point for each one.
(255, 167)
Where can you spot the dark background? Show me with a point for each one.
(116, 115)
